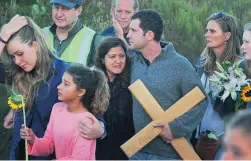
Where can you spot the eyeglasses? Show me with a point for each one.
(220, 15)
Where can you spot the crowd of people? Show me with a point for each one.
(75, 84)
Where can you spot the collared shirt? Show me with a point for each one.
(59, 45)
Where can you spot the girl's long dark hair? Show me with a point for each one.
(94, 81)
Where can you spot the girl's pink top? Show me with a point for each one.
(62, 133)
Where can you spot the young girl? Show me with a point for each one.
(84, 92)
(246, 48)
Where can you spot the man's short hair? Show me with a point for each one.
(150, 21)
(135, 5)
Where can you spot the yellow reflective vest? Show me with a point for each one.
(79, 48)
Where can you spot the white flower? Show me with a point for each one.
(229, 81)
(216, 89)
(230, 88)
(233, 79)
(225, 95)
(215, 85)
(242, 79)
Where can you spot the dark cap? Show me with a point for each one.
(68, 3)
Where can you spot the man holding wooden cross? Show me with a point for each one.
(168, 76)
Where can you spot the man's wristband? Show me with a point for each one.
(5, 42)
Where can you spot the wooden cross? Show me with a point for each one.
(157, 114)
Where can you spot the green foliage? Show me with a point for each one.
(5, 134)
(184, 20)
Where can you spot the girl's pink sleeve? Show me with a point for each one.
(44, 146)
(83, 149)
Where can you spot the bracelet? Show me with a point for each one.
(5, 42)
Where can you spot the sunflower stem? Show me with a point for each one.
(24, 116)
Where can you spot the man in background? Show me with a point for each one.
(122, 11)
(73, 41)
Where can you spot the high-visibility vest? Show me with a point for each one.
(79, 48)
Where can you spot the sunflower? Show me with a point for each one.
(15, 103)
(246, 94)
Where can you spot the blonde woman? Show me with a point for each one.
(28, 64)
(246, 47)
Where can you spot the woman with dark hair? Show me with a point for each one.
(112, 59)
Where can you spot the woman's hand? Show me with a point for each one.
(27, 134)
(91, 131)
(15, 24)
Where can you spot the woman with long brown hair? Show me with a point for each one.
(30, 67)
(223, 36)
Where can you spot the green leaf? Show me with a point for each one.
(17, 99)
(226, 65)
(238, 103)
(220, 67)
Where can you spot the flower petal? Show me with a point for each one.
(233, 95)
(225, 95)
